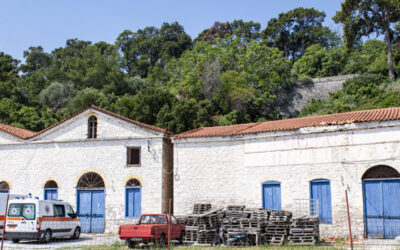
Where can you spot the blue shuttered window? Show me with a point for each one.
(320, 190)
(133, 201)
(51, 194)
(271, 191)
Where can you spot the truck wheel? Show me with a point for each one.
(181, 237)
(15, 240)
(131, 244)
(161, 240)
(77, 234)
(46, 236)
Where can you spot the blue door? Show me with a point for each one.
(320, 190)
(91, 209)
(133, 202)
(271, 195)
(50, 194)
(382, 208)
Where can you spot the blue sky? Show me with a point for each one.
(50, 23)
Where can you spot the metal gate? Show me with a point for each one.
(382, 208)
(91, 209)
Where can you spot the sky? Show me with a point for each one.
(49, 23)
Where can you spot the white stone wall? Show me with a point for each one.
(231, 170)
(64, 155)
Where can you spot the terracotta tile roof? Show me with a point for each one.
(374, 115)
(15, 131)
(27, 134)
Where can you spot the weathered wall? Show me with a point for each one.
(231, 170)
(301, 94)
(64, 155)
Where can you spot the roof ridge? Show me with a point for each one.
(140, 124)
(251, 125)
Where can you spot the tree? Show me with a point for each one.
(35, 58)
(237, 29)
(57, 95)
(363, 17)
(294, 31)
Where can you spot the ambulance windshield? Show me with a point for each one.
(25, 210)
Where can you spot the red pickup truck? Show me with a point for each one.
(151, 228)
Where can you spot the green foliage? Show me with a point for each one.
(320, 62)
(228, 75)
(57, 95)
(294, 31)
(363, 17)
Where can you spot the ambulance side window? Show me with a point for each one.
(70, 211)
(59, 211)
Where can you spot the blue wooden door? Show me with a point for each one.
(272, 195)
(321, 192)
(382, 208)
(50, 194)
(98, 210)
(91, 209)
(133, 202)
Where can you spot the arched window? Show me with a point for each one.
(90, 180)
(133, 198)
(271, 191)
(320, 191)
(51, 190)
(92, 127)
(4, 187)
(381, 172)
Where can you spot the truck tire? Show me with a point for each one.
(181, 237)
(15, 240)
(161, 240)
(46, 236)
(131, 244)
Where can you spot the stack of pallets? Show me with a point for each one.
(276, 229)
(201, 208)
(304, 231)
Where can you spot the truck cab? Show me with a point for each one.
(151, 228)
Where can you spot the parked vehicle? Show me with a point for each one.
(34, 219)
(151, 228)
(3, 205)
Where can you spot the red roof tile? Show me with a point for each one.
(15, 131)
(374, 115)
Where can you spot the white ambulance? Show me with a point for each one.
(3, 205)
(34, 219)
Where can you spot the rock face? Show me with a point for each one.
(302, 94)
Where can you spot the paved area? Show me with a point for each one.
(85, 241)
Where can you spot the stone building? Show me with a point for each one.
(303, 165)
(112, 168)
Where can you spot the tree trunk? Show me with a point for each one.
(389, 52)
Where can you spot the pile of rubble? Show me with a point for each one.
(252, 226)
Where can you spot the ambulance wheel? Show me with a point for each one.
(77, 234)
(15, 240)
(47, 236)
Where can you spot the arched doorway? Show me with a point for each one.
(381, 193)
(133, 198)
(4, 187)
(50, 190)
(91, 202)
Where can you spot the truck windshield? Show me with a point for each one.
(152, 219)
(25, 210)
